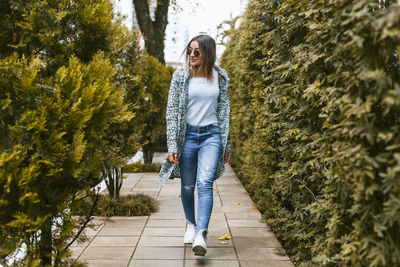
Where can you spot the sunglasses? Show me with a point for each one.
(195, 52)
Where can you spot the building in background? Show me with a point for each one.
(176, 38)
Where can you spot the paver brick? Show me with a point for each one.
(256, 242)
(252, 232)
(158, 253)
(160, 241)
(166, 223)
(119, 241)
(126, 231)
(172, 231)
(266, 263)
(107, 253)
(214, 253)
(156, 263)
(106, 263)
(211, 263)
(246, 223)
(272, 254)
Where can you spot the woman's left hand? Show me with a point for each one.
(227, 157)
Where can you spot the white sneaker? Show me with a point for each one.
(199, 246)
(190, 233)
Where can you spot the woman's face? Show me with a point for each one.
(195, 61)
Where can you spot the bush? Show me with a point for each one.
(315, 130)
(65, 71)
(129, 205)
(140, 167)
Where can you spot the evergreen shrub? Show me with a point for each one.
(68, 96)
(315, 102)
(140, 167)
(128, 205)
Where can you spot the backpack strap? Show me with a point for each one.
(219, 78)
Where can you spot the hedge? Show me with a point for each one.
(315, 102)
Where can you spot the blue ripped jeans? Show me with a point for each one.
(198, 162)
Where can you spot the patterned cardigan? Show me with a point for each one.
(176, 120)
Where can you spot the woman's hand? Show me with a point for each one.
(228, 157)
(173, 157)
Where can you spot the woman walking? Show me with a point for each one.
(198, 140)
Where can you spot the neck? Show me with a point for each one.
(197, 73)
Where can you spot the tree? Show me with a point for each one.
(52, 128)
(123, 139)
(154, 79)
(154, 35)
(55, 30)
(64, 72)
(153, 30)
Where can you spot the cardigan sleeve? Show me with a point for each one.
(224, 98)
(225, 109)
(228, 144)
(172, 114)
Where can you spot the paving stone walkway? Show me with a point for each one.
(157, 240)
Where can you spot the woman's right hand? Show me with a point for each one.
(173, 157)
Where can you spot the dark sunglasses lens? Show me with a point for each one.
(196, 52)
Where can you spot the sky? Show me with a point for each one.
(198, 15)
(208, 14)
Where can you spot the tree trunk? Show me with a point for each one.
(118, 184)
(46, 244)
(148, 153)
(153, 31)
(109, 181)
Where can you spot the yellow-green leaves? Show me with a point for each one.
(315, 104)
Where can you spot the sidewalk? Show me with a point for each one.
(157, 240)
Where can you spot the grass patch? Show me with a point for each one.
(129, 205)
(140, 167)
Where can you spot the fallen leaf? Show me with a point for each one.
(236, 203)
(224, 237)
(255, 206)
(223, 242)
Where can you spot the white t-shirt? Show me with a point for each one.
(203, 100)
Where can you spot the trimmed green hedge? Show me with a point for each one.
(140, 167)
(128, 205)
(315, 102)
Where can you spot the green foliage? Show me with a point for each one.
(49, 132)
(66, 114)
(154, 80)
(129, 205)
(315, 99)
(139, 167)
(57, 29)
